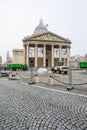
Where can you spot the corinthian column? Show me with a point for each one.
(52, 55)
(27, 56)
(44, 55)
(60, 52)
(24, 55)
(35, 55)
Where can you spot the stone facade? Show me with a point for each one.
(43, 49)
(18, 56)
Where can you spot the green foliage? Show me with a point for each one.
(17, 66)
(52, 69)
(25, 67)
(83, 64)
(60, 63)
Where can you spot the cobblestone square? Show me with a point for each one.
(31, 107)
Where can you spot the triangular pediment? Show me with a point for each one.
(49, 37)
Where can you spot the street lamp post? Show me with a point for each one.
(31, 78)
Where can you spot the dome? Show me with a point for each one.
(41, 28)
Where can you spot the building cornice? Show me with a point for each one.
(30, 38)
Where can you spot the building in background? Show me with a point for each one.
(43, 48)
(18, 56)
(0, 60)
(76, 59)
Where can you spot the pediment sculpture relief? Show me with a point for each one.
(49, 37)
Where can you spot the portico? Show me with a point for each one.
(44, 55)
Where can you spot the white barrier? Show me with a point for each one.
(36, 79)
(50, 81)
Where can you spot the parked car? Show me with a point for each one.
(60, 69)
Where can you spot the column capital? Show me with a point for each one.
(68, 46)
(27, 42)
(36, 44)
(60, 45)
(44, 44)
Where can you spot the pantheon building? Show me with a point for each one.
(43, 48)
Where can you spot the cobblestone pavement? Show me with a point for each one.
(30, 107)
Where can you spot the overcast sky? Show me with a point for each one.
(18, 18)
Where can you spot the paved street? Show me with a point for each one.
(30, 107)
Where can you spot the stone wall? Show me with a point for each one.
(18, 56)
